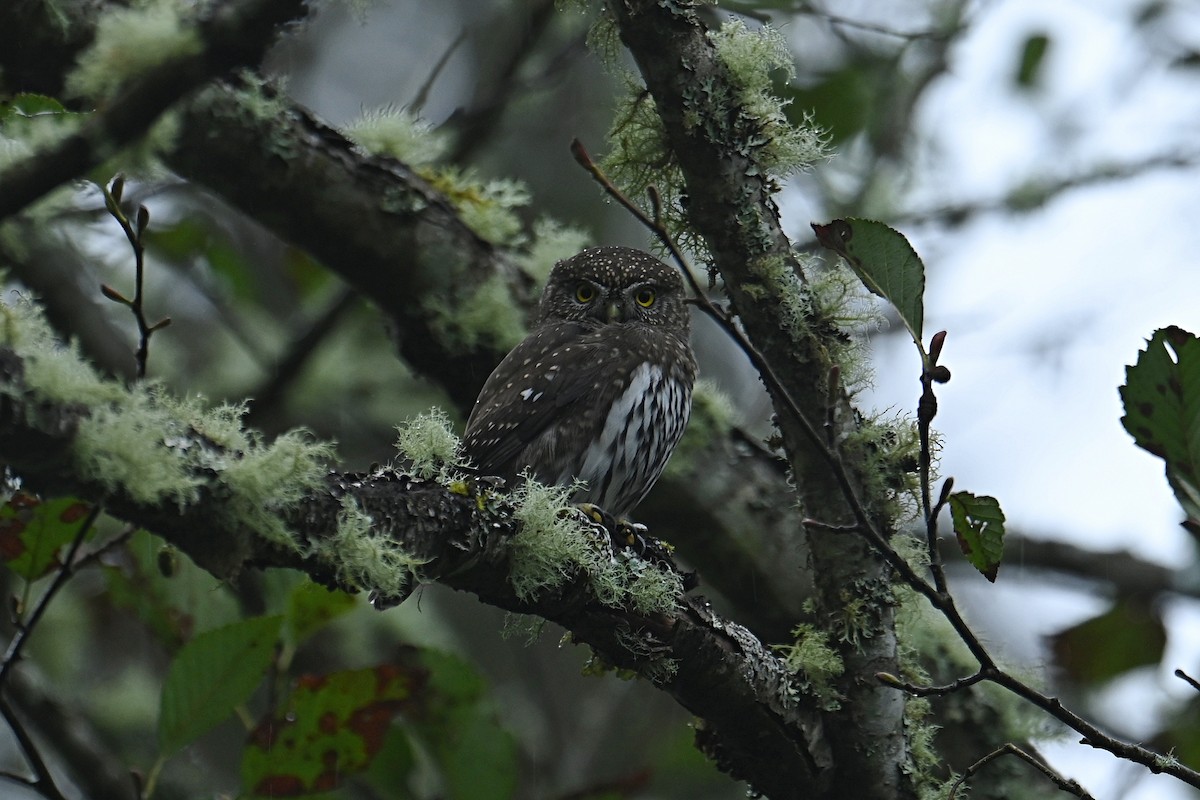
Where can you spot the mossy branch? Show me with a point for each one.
(229, 36)
(232, 502)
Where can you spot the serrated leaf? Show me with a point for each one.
(886, 264)
(1129, 635)
(311, 607)
(332, 727)
(213, 674)
(33, 531)
(979, 528)
(1162, 410)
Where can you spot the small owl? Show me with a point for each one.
(600, 389)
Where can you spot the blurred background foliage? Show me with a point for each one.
(510, 83)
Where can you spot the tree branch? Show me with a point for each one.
(730, 204)
(756, 725)
(233, 35)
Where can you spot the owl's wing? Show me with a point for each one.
(533, 388)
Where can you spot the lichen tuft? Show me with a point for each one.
(428, 441)
(130, 42)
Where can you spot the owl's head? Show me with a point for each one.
(614, 285)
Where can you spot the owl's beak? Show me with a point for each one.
(613, 312)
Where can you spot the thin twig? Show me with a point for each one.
(938, 596)
(700, 300)
(1010, 749)
(809, 522)
(44, 780)
(1188, 679)
(24, 631)
(930, 691)
(134, 232)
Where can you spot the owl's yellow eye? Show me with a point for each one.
(645, 297)
(585, 293)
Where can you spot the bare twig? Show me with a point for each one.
(134, 232)
(43, 781)
(24, 631)
(233, 34)
(937, 593)
(1187, 679)
(656, 225)
(929, 691)
(1010, 749)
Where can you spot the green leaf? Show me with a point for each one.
(886, 264)
(312, 607)
(171, 608)
(979, 528)
(477, 757)
(33, 531)
(332, 727)
(30, 105)
(1033, 56)
(1162, 411)
(1128, 635)
(212, 675)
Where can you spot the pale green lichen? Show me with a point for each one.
(552, 544)
(127, 447)
(889, 446)
(488, 315)
(744, 115)
(486, 207)
(628, 581)
(552, 242)
(428, 441)
(399, 133)
(270, 479)
(157, 448)
(555, 544)
(815, 663)
(130, 42)
(751, 57)
(931, 652)
(58, 371)
(367, 559)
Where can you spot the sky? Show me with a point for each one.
(1045, 310)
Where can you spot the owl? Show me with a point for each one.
(601, 388)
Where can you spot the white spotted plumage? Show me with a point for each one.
(600, 390)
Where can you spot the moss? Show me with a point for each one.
(428, 441)
(398, 133)
(815, 663)
(130, 42)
